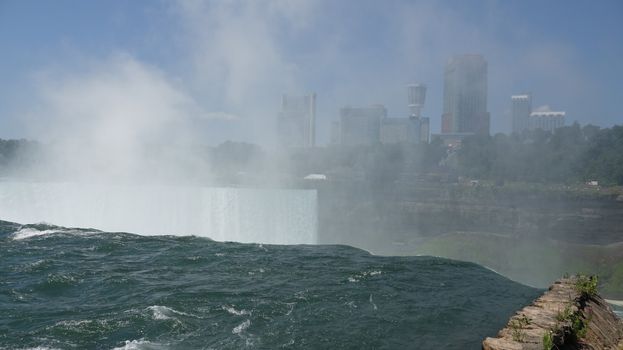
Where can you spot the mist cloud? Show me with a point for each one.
(109, 118)
(238, 60)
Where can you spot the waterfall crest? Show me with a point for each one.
(271, 216)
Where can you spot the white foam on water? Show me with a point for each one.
(291, 305)
(615, 302)
(358, 277)
(351, 304)
(233, 311)
(29, 232)
(140, 344)
(373, 304)
(72, 323)
(270, 216)
(241, 327)
(160, 312)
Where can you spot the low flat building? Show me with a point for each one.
(548, 121)
(404, 130)
(452, 139)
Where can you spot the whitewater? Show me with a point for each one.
(248, 215)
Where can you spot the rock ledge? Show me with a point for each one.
(568, 317)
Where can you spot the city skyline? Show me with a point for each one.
(222, 65)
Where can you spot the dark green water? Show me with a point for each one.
(80, 289)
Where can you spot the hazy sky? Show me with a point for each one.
(221, 66)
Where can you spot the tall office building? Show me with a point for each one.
(416, 95)
(521, 107)
(361, 125)
(465, 95)
(335, 133)
(296, 123)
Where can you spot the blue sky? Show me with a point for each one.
(221, 66)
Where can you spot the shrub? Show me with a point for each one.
(586, 285)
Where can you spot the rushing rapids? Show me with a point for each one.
(77, 288)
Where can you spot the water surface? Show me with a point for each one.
(83, 289)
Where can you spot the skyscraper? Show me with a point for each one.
(520, 111)
(296, 123)
(416, 95)
(361, 125)
(465, 95)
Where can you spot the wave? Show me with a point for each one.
(29, 232)
(233, 311)
(141, 344)
(160, 312)
(241, 327)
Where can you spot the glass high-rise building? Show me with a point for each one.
(296, 123)
(521, 108)
(465, 95)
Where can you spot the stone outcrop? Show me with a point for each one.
(567, 316)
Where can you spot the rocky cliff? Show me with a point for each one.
(569, 315)
(424, 209)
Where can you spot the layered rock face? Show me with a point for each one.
(565, 317)
(427, 210)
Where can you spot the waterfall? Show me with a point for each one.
(272, 216)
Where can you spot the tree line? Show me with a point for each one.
(570, 154)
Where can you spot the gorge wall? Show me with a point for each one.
(405, 210)
(530, 233)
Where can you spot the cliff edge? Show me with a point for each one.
(569, 315)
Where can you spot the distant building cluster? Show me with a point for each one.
(371, 125)
(464, 113)
(524, 118)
